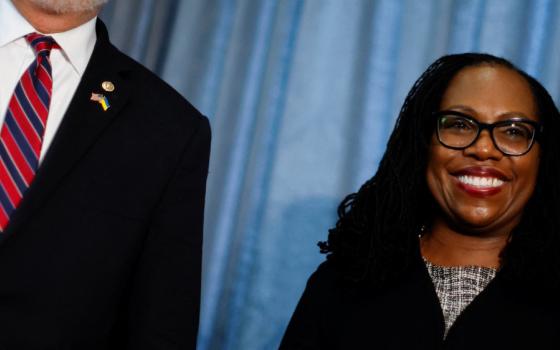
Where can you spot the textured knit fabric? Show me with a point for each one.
(457, 286)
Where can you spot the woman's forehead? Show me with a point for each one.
(490, 91)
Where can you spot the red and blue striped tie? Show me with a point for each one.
(22, 132)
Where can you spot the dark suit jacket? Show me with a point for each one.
(104, 251)
(407, 315)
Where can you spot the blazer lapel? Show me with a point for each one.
(82, 124)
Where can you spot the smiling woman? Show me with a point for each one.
(480, 190)
(455, 242)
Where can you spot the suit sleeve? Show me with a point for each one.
(309, 325)
(165, 294)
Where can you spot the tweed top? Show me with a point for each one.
(457, 286)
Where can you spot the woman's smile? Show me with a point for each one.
(480, 181)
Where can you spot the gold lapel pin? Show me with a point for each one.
(101, 99)
(108, 86)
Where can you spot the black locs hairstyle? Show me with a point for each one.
(376, 236)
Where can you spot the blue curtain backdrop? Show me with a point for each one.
(302, 96)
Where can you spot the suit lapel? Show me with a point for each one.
(82, 124)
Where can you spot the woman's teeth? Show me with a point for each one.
(480, 181)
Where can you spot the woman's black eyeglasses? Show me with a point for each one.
(513, 137)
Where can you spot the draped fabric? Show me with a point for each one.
(302, 96)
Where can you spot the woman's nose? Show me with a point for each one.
(483, 147)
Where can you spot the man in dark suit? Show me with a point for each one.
(104, 249)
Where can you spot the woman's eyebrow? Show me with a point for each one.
(472, 112)
(460, 108)
(514, 114)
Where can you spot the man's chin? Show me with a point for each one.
(68, 6)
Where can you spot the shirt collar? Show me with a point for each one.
(12, 25)
(77, 43)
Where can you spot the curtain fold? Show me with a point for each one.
(302, 96)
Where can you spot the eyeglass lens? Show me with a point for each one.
(513, 137)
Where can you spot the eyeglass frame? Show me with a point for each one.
(490, 127)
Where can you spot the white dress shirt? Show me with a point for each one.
(68, 63)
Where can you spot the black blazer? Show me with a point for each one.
(104, 252)
(407, 315)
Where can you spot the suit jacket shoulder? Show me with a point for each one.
(150, 91)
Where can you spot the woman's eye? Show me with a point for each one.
(457, 124)
(514, 131)
(517, 131)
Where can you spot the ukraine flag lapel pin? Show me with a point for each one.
(101, 99)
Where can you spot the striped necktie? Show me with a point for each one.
(21, 135)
